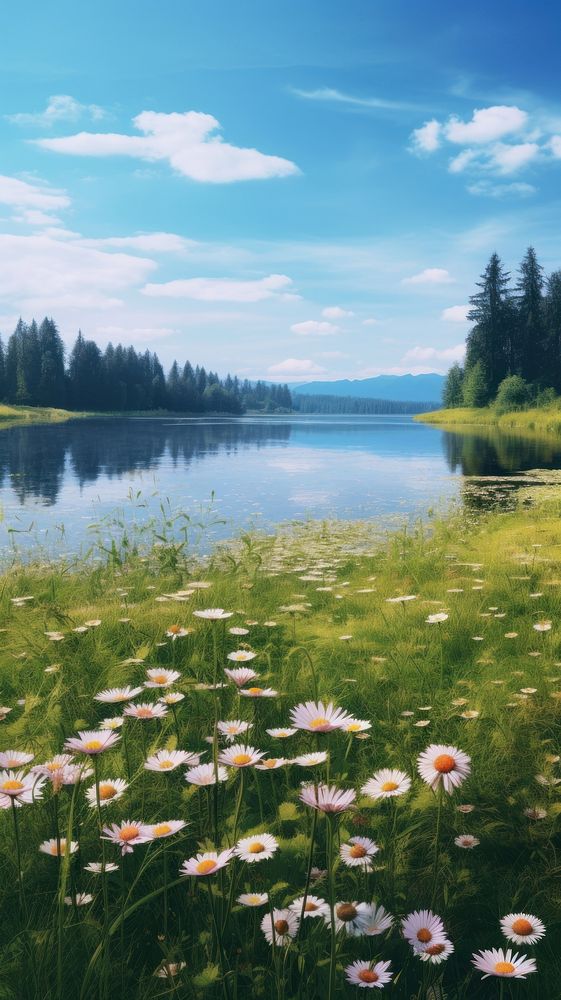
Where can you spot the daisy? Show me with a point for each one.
(257, 692)
(445, 765)
(146, 710)
(176, 632)
(56, 764)
(92, 741)
(313, 907)
(358, 853)
(496, 962)
(241, 656)
(522, 928)
(436, 953)
(239, 755)
(98, 868)
(207, 863)
(401, 600)
(253, 898)
(280, 927)
(114, 722)
(161, 678)
(368, 974)
(271, 763)
(127, 834)
(205, 774)
(168, 760)
(422, 928)
(310, 759)
(168, 970)
(233, 728)
(379, 920)
(352, 917)
(435, 619)
(238, 631)
(213, 614)
(356, 726)
(467, 841)
(20, 787)
(542, 626)
(11, 759)
(386, 783)
(80, 899)
(166, 828)
(327, 798)
(240, 675)
(115, 695)
(52, 847)
(315, 717)
(110, 790)
(261, 847)
(281, 734)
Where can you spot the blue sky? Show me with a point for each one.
(285, 190)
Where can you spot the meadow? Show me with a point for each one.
(314, 763)
(541, 420)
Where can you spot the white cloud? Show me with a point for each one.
(314, 328)
(187, 141)
(430, 276)
(461, 161)
(60, 107)
(145, 242)
(486, 125)
(336, 312)
(490, 190)
(427, 138)
(221, 289)
(555, 146)
(370, 321)
(331, 95)
(455, 314)
(507, 158)
(448, 355)
(21, 194)
(296, 366)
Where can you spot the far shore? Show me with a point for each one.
(535, 421)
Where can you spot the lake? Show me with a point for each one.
(64, 485)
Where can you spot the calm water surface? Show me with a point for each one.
(63, 485)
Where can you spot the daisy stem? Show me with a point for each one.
(333, 929)
(165, 860)
(176, 724)
(126, 749)
(23, 903)
(238, 805)
(105, 939)
(218, 937)
(436, 847)
(309, 870)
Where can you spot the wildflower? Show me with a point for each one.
(238, 631)
(158, 678)
(261, 847)
(542, 626)
(127, 834)
(207, 863)
(315, 717)
(233, 728)
(280, 927)
(368, 974)
(98, 868)
(401, 599)
(113, 722)
(80, 899)
(115, 695)
(466, 841)
(314, 907)
(52, 847)
(19, 787)
(387, 783)
(281, 734)
(239, 755)
(422, 928)
(166, 828)
(327, 798)
(271, 763)
(11, 759)
(440, 616)
(240, 675)
(258, 692)
(352, 917)
(92, 742)
(168, 760)
(356, 726)
(213, 614)
(379, 920)
(174, 632)
(496, 962)
(110, 790)
(169, 970)
(535, 812)
(310, 759)
(241, 656)
(205, 774)
(358, 853)
(436, 953)
(445, 765)
(470, 713)
(146, 710)
(522, 928)
(253, 898)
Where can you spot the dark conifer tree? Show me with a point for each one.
(531, 338)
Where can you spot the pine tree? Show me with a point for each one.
(552, 315)
(452, 394)
(531, 348)
(489, 341)
(476, 386)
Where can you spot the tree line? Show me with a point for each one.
(513, 350)
(34, 371)
(308, 403)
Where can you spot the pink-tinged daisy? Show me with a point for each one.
(20, 787)
(369, 975)
(174, 632)
(168, 760)
(239, 755)
(387, 783)
(281, 734)
(110, 790)
(422, 928)
(80, 899)
(53, 765)
(496, 962)
(261, 847)
(467, 841)
(522, 928)
(443, 765)
(171, 698)
(147, 710)
(271, 763)
(92, 742)
(240, 675)
(253, 898)
(437, 952)
(379, 920)
(280, 927)
(127, 834)
(358, 853)
(258, 692)
(315, 717)
(232, 728)
(310, 759)
(207, 863)
(356, 726)
(158, 678)
(98, 868)
(213, 614)
(12, 759)
(205, 774)
(52, 847)
(112, 696)
(327, 798)
(241, 656)
(351, 917)
(166, 828)
(313, 907)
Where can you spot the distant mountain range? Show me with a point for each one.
(398, 388)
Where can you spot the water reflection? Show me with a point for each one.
(494, 453)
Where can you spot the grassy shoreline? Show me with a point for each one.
(539, 420)
(10, 415)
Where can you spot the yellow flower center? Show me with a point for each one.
(160, 679)
(241, 759)
(354, 727)
(257, 847)
(161, 829)
(255, 691)
(368, 976)
(281, 926)
(310, 907)
(522, 927)
(144, 713)
(319, 722)
(270, 763)
(504, 968)
(390, 786)
(164, 764)
(357, 851)
(444, 763)
(129, 833)
(424, 935)
(346, 911)
(174, 629)
(93, 745)
(11, 785)
(54, 766)
(54, 848)
(205, 867)
(435, 949)
(107, 792)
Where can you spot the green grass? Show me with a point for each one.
(392, 669)
(539, 420)
(34, 414)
